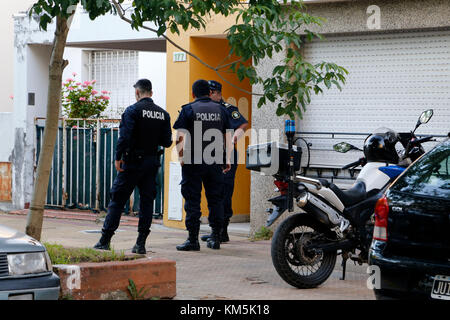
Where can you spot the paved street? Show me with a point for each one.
(240, 270)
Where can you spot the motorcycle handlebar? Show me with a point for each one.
(422, 140)
(350, 165)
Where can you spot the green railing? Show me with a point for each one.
(83, 170)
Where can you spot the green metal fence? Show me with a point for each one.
(83, 169)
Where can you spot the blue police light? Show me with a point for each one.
(289, 127)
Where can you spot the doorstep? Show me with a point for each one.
(236, 229)
(83, 215)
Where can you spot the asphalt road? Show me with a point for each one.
(240, 270)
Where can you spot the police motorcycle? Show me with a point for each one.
(332, 221)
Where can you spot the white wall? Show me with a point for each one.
(7, 50)
(152, 66)
(37, 79)
(104, 28)
(7, 136)
(75, 58)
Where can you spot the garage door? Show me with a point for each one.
(392, 79)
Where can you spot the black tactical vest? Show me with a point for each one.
(207, 132)
(149, 127)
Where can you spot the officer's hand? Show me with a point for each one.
(227, 168)
(118, 165)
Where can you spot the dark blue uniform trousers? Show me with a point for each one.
(228, 193)
(141, 174)
(212, 177)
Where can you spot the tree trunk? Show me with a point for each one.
(56, 68)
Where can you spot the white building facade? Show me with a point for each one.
(106, 50)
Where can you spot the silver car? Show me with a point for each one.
(25, 268)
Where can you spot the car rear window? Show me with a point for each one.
(429, 176)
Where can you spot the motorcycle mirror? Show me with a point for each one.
(344, 147)
(424, 118)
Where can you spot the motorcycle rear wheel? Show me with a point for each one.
(298, 266)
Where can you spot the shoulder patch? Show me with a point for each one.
(235, 115)
(227, 105)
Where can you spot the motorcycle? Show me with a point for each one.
(333, 221)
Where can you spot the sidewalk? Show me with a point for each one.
(82, 216)
(240, 270)
(241, 229)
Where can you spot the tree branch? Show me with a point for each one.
(235, 86)
(124, 18)
(121, 13)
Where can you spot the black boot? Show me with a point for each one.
(224, 235)
(139, 247)
(214, 241)
(205, 237)
(191, 244)
(105, 241)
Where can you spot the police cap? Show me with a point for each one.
(215, 86)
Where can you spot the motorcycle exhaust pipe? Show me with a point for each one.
(303, 203)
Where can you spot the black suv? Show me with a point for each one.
(411, 242)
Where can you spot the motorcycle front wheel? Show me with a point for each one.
(299, 266)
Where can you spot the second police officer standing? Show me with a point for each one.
(196, 125)
(239, 125)
(143, 129)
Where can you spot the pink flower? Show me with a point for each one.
(82, 99)
(106, 98)
(11, 97)
(70, 88)
(94, 92)
(78, 83)
(93, 81)
(86, 83)
(74, 74)
(70, 80)
(105, 92)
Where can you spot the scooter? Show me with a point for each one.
(333, 221)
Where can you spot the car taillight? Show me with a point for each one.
(282, 186)
(381, 219)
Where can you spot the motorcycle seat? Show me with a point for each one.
(349, 197)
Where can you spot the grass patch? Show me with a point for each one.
(61, 255)
(262, 234)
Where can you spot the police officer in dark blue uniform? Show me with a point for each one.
(239, 125)
(143, 129)
(201, 138)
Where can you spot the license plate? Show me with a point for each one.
(441, 288)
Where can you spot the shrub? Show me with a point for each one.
(80, 100)
(263, 234)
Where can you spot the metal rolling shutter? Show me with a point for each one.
(392, 79)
